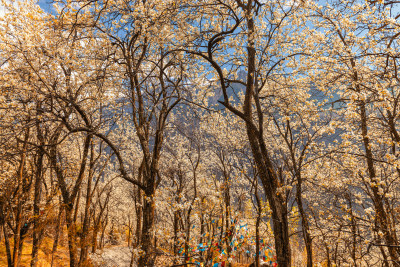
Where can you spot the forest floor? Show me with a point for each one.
(112, 256)
(116, 256)
(60, 259)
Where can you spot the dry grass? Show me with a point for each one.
(61, 258)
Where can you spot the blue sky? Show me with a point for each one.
(45, 4)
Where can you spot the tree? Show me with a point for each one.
(252, 33)
(354, 65)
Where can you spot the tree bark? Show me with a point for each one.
(37, 228)
(382, 218)
(84, 244)
(57, 234)
(6, 238)
(73, 251)
(18, 216)
(304, 222)
(148, 257)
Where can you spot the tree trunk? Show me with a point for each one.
(187, 239)
(259, 150)
(103, 230)
(147, 259)
(73, 252)
(18, 217)
(175, 249)
(37, 228)
(382, 218)
(227, 201)
(201, 241)
(6, 238)
(139, 215)
(257, 259)
(85, 227)
(94, 239)
(258, 220)
(17, 237)
(58, 230)
(304, 222)
(276, 201)
(329, 263)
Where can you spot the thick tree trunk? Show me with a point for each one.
(382, 218)
(37, 228)
(304, 222)
(73, 251)
(264, 165)
(148, 257)
(85, 227)
(18, 217)
(94, 239)
(276, 201)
